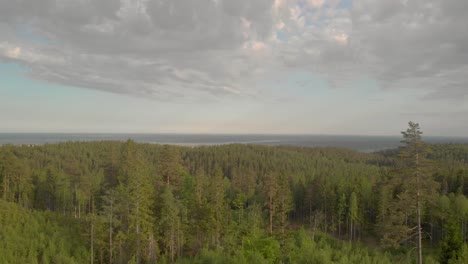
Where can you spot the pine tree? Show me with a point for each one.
(109, 211)
(284, 203)
(412, 187)
(171, 223)
(170, 165)
(452, 245)
(353, 215)
(141, 192)
(271, 192)
(278, 201)
(341, 211)
(216, 192)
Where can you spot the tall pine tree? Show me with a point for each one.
(412, 187)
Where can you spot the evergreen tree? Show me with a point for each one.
(271, 190)
(353, 215)
(341, 211)
(109, 212)
(171, 224)
(452, 245)
(216, 192)
(141, 193)
(413, 187)
(170, 165)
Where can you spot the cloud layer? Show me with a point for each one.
(179, 49)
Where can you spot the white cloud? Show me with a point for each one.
(297, 16)
(231, 90)
(315, 3)
(341, 38)
(278, 4)
(13, 53)
(258, 46)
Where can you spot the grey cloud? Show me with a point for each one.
(415, 44)
(161, 49)
(420, 42)
(170, 49)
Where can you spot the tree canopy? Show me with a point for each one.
(123, 202)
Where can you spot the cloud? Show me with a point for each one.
(13, 53)
(231, 90)
(414, 44)
(316, 3)
(179, 49)
(161, 49)
(401, 44)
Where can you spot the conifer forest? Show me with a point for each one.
(125, 202)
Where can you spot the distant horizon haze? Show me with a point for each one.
(398, 134)
(355, 142)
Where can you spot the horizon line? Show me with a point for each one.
(224, 134)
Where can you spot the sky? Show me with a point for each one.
(350, 67)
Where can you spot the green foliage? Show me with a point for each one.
(452, 245)
(40, 237)
(223, 204)
(267, 247)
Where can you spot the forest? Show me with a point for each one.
(123, 202)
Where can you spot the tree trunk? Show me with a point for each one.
(120, 251)
(92, 229)
(419, 234)
(418, 208)
(432, 232)
(137, 253)
(110, 235)
(339, 228)
(172, 247)
(5, 187)
(271, 215)
(92, 241)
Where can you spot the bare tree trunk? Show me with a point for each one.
(418, 208)
(419, 235)
(339, 227)
(5, 187)
(110, 235)
(92, 242)
(432, 232)
(138, 235)
(179, 240)
(406, 224)
(120, 250)
(92, 231)
(172, 244)
(271, 215)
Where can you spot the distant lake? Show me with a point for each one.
(359, 143)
